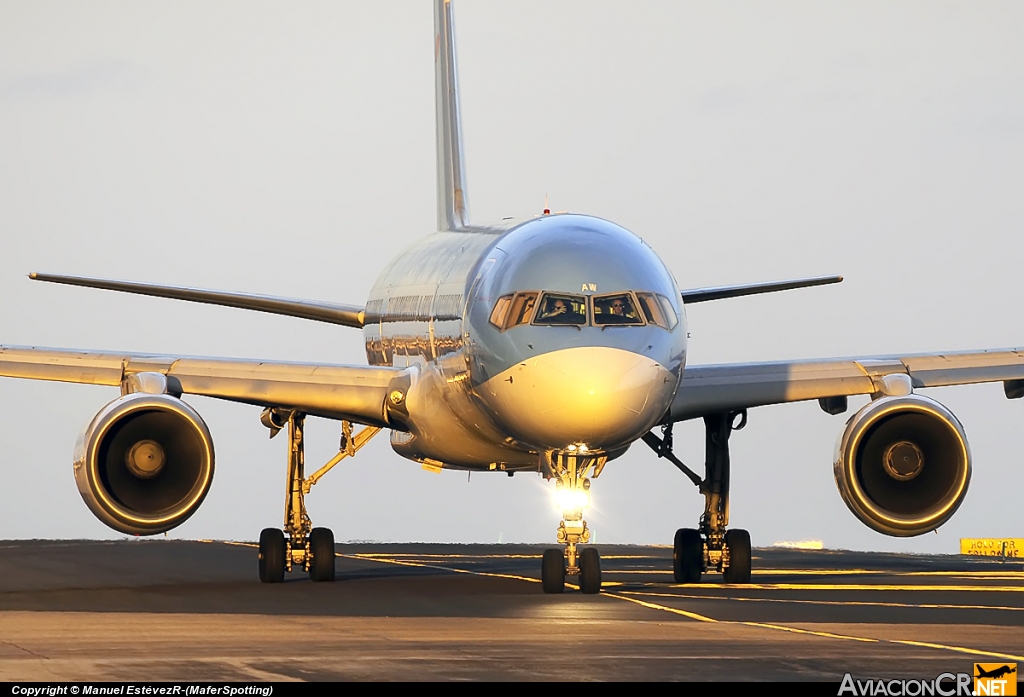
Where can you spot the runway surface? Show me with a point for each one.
(171, 610)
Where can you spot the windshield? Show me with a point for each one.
(623, 308)
(616, 309)
(562, 309)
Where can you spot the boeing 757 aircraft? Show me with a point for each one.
(550, 344)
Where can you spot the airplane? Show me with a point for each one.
(995, 672)
(548, 344)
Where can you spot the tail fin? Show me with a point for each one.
(452, 209)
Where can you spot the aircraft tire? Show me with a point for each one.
(552, 571)
(272, 552)
(687, 556)
(738, 571)
(590, 571)
(321, 546)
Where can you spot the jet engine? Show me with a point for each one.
(144, 463)
(903, 465)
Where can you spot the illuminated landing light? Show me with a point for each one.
(571, 500)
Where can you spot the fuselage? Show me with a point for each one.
(558, 332)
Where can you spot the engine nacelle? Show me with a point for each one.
(903, 465)
(144, 463)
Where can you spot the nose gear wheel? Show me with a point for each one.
(552, 571)
(590, 571)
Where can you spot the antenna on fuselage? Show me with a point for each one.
(452, 208)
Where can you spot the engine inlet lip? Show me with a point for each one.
(891, 467)
(110, 511)
(862, 505)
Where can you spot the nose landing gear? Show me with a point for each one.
(711, 546)
(572, 486)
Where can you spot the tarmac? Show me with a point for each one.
(196, 611)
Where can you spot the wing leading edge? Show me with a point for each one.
(346, 315)
(710, 389)
(355, 393)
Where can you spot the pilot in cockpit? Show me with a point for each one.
(555, 309)
(615, 309)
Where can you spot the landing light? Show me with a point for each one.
(569, 500)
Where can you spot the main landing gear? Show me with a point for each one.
(710, 546)
(300, 544)
(572, 486)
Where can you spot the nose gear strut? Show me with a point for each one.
(570, 472)
(712, 545)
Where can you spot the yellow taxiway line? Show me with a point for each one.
(796, 601)
(697, 616)
(860, 587)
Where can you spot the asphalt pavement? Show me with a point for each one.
(195, 610)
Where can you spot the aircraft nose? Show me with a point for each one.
(598, 396)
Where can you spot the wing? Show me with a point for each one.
(709, 389)
(348, 392)
(700, 295)
(347, 315)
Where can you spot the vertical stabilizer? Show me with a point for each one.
(452, 209)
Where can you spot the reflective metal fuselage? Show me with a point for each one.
(489, 397)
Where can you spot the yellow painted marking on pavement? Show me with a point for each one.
(405, 562)
(797, 601)
(775, 627)
(374, 555)
(796, 630)
(991, 576)
(704, 618)
(655, 606)
(370, 555)
(975, 575)
(959, 649)
(878, 572)
(829, 635)
(817, 572)
(856, 587)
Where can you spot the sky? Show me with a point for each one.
(289, 150)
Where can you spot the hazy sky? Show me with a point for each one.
(288, 149)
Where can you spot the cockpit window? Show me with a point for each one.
(616, 309)
(658, 310)
(500, 311)
(513, 309)
(556, 308)
(522, 309)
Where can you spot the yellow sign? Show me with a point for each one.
(995, 679)
(1006, 547)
